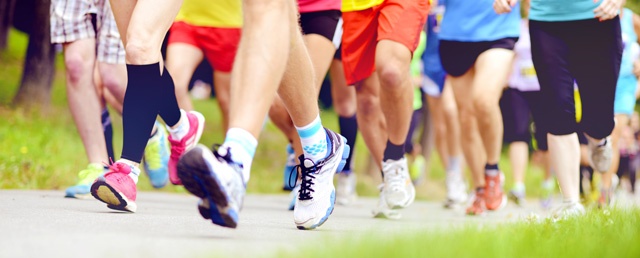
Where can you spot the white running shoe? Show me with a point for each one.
(217, 180)
(293, 195)
(601, 155)
(317, 194)
(346, 192)
(382, 209)
(456, 190)
(398, 189)
(567, 210)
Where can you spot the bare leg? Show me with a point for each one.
(370, 114)
(344, 97)
(564, 157)
(83, 98)
(396, 92)
(182, 61)
(222, 85)
(519, 157)
(472, 148)
(491, 72)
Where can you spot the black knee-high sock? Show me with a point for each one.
(168, 108)
(349, 129)
(140, 108)
(107, 129)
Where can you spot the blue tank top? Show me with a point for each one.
(630, 51)
(562, 10)
(475, 20)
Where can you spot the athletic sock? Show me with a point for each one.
(107, 129)
(242, 146)
(491, 169)
(349, 129)
(135, 171)
(139, 110)
(314, 140)
(181, 129)
(168, 107)
(519, 187)
(455, 164)
(393, 152)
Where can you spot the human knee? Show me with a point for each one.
(391, 75)
(139, 51)
(77, 68)
(345, 106)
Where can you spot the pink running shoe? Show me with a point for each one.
(116, 188)
(178, 147)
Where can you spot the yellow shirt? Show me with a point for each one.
(208, 13)
(357, 5)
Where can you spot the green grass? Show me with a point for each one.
(597, 234)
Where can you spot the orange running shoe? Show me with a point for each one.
(478, 206)
(494, 196)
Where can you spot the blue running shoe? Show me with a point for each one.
(288, 169)
(217, 180)
(317, 195)
(156, 157)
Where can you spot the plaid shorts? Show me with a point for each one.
(71, 20)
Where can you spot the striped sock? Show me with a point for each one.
(242, 146)
(314, 140)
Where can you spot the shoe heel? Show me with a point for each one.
(345, 155)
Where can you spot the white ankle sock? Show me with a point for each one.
(242, 146)
(182, 128)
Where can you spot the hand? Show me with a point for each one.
(607, 10)
(503, 6)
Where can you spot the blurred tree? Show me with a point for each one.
(6, 18)
(37, 75)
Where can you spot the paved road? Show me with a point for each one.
(43, 224)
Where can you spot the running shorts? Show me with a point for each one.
(458, 57)
(219, 45)
(71, 20)
(397, 20)
(324, 23)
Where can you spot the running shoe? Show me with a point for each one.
(382, 209)
(417, 169)
(116, 188)
(289, 169)
(178, 147)
(293, 196)
(478, 205)
(86, 177)
(518, 197)
(601, 155)
(156, 157)
(456, 190)
(398, 189)
(346, 192)
(217, 180)
(495, 199)
(567, 210)
(317, 194)
(547, 194)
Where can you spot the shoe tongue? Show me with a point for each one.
(308, 163)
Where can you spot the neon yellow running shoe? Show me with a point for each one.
(417, 169)
(85, 178)
(156, 157)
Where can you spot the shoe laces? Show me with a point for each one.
(217, 148)
(308, 175)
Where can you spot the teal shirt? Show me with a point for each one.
(562, 10)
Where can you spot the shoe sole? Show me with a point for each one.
(343, 153)
(109, 195)
(194, 173)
